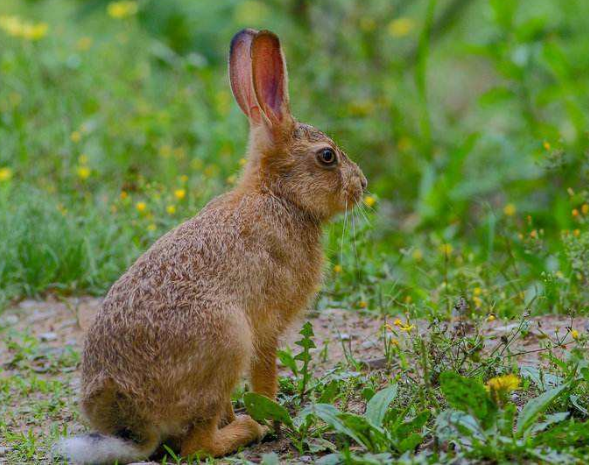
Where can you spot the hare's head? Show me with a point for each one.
(292, 160)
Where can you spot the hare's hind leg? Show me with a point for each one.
(207, 439)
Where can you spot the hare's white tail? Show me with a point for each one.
(99, 449)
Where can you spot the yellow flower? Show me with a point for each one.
(534, 234)
(546, 145)
(478, 302)
(184, 178)
(337, 269)
(369, 201)
(35, 31)
(5, 174)
(180, 193)
(503, 384)
(362, 304)
(242, 161)
(171, 209)
(122, 9)
(577, 232)
(575, 212)
(83, 172)
(417, 255)
(76, 136)
(446, 249)
(477, 291)
(407, 328)
(509, 209)
(151, 227)
(84, 44)
(575, 334)
(491, 318)
(141, 206)
(124, 195)
(397, 322)
(83, 159)
(400, 27)
(408, 299)
(585, 208)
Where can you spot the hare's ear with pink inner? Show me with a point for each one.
(270, 78)
(240, 74)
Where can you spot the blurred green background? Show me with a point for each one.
(469, 117)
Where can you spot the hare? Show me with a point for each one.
(210, 299)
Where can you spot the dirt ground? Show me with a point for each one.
(61, 324)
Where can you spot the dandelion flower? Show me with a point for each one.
(575, 334)
(337, 269)
(503, 384)
(76, 136)
(491, 318)
(242, 161)
(408, 299)
(577, 232)
(575, 212)
(417, 255)
(509, 209)
(171, 209)
(477, 291)
(35, 32)
(124, 195)
(5, 174)
(122, 9)
(397, 322)
(534, 234)
(369, 201)
(446, 249)
(141, 206)
(585, 208)
(407, 328)
(180, 193)
(83, 172)
(546, 145)
(400, 27)
(362, 304)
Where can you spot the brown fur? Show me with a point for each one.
(210, 299)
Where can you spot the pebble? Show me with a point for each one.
(48, 337)
(8, 320)
(3, 451)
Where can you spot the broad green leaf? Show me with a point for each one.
(466, 394)
(270, 459)
(535, 407)
(410, 442)
(331, 415)
(377, 406)
(413, 425)
(261, 408)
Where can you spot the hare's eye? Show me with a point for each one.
(327, 156)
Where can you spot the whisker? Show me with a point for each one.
(356, 267)
(341, 243)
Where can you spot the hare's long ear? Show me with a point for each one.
(240, 74)
(270, 78)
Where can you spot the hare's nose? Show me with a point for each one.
(363, 182)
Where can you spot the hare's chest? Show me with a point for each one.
(285, 280)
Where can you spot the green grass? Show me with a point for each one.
(468, 117)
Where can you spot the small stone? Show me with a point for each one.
(48, 337)
(9, 320)
(3, 451)
(345, 337)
